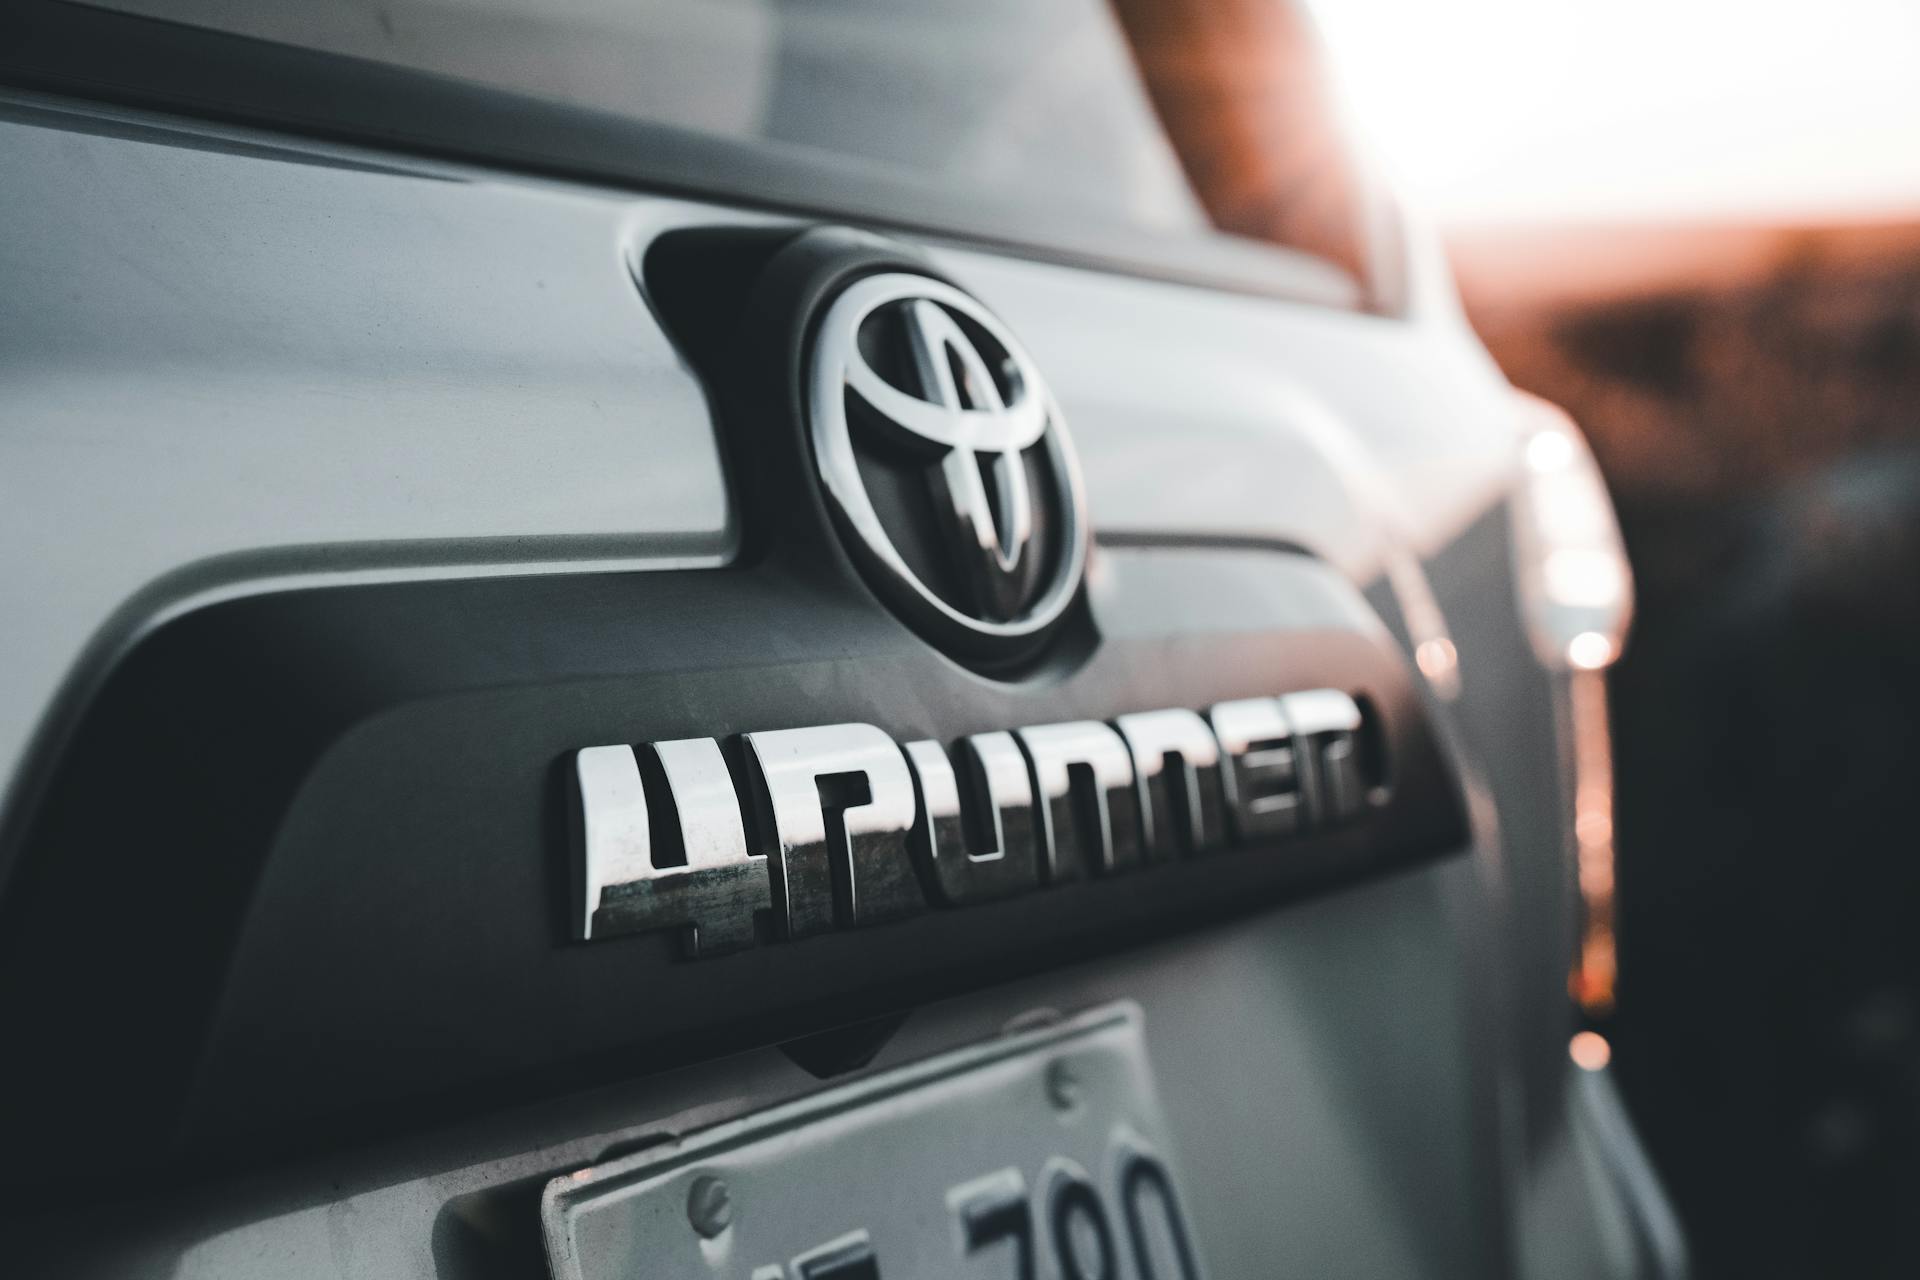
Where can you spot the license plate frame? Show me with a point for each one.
(1042, 1153)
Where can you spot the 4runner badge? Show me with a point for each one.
(843, 827)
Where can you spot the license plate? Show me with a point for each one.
(1037, 1155)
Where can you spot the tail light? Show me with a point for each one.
(1576, 594)
(1576, 591)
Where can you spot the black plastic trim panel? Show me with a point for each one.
(299, 875)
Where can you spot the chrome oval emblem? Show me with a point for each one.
(946, 462)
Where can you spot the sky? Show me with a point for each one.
(1532, 111)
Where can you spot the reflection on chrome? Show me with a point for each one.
(1083, 780)
(1326, 726)
(999, 854)
(644, 872)
(1262, 781)
(839, 803)
(1181, 806)
(852, 829)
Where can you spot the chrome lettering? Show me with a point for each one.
(685, 868)
(997, 852)
(837, 802)
(1089, 814)
(1262, 780)
(1326, 723)
(851, 828)
(1182, 808)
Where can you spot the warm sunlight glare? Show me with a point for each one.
(1544, 110)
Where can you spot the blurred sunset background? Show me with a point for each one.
(1696, 225)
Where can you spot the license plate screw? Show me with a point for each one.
(709, 1206)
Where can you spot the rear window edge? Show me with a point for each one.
(76, 51)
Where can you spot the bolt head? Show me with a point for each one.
(709, 1206)
(1063, 1085)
